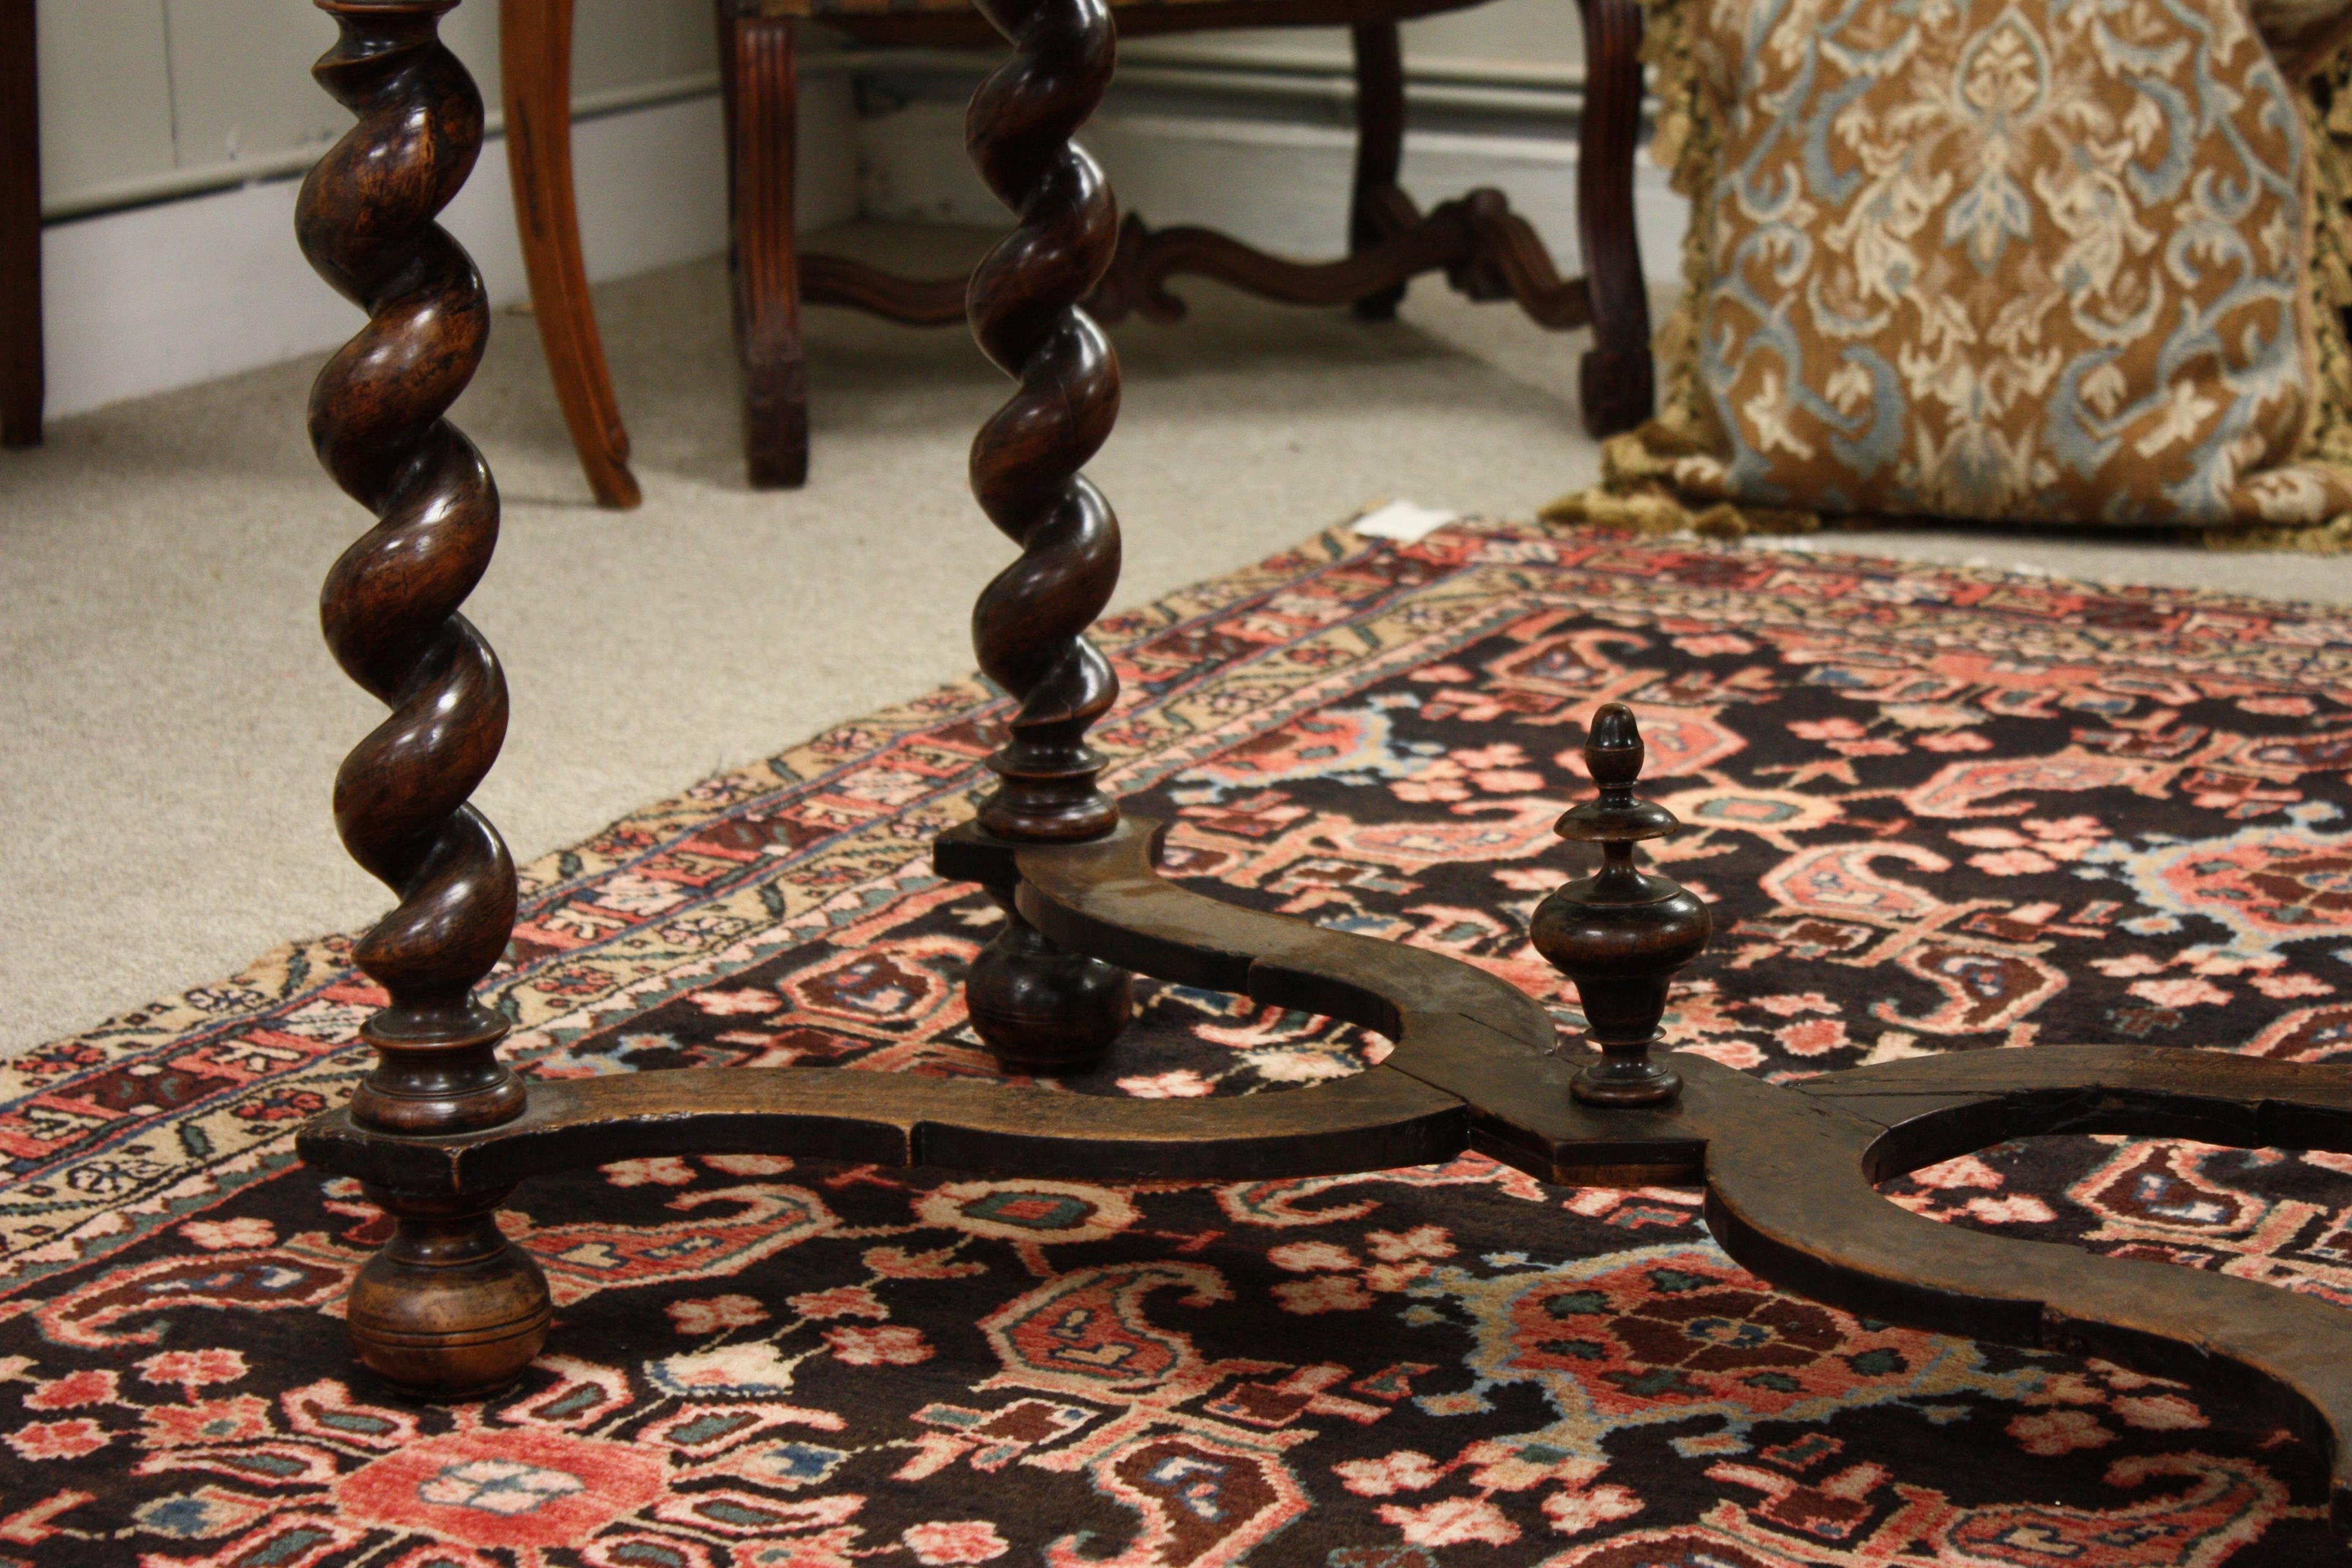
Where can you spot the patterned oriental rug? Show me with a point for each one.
(1936, 810)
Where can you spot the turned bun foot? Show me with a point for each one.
(449, 1310)
(1042, 1010)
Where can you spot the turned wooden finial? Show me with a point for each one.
(1620, 934)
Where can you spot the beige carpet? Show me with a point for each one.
(172, 721)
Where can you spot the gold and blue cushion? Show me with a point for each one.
(2044, 261)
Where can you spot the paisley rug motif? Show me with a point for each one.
(1933, 810)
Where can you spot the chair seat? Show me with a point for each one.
(956, 23)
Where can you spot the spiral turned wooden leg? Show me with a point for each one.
(1038, 1008)
(448, 1308)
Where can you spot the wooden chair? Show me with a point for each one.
(1484, 250)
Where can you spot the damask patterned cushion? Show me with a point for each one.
(2061, 261)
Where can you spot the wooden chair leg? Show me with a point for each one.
(1615, 375)
(1380, 152)
(535, 59)
(20, 230)
(762, 125)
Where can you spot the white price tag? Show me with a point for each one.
(1403, 522)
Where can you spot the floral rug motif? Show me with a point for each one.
(1935, 811)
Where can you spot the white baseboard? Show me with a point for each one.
(159, 297)
(1279, 185)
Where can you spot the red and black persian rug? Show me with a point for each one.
(1936, 810)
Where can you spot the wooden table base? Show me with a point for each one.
(441, 1132)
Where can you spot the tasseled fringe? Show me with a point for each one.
(2331, 538)
(1656, 511)
(1650, 509)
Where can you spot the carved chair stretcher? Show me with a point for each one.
(441, 1130)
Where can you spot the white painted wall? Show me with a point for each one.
(162, 295)
(173, 133)
(141, 98)
(1519, 42)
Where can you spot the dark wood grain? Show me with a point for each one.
(448, 1307)
(1789, 1173)
(1455, 1028)
(762, 108)
(895, 1120)
(441, 1130)
(1374, 195)
(535, 75)
(1937, 1107)
(1504, 259)
(1029, 625)
(1487, 251)
(1110, 899)
(449, 1310)
(21, 354)
(1615, 376)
